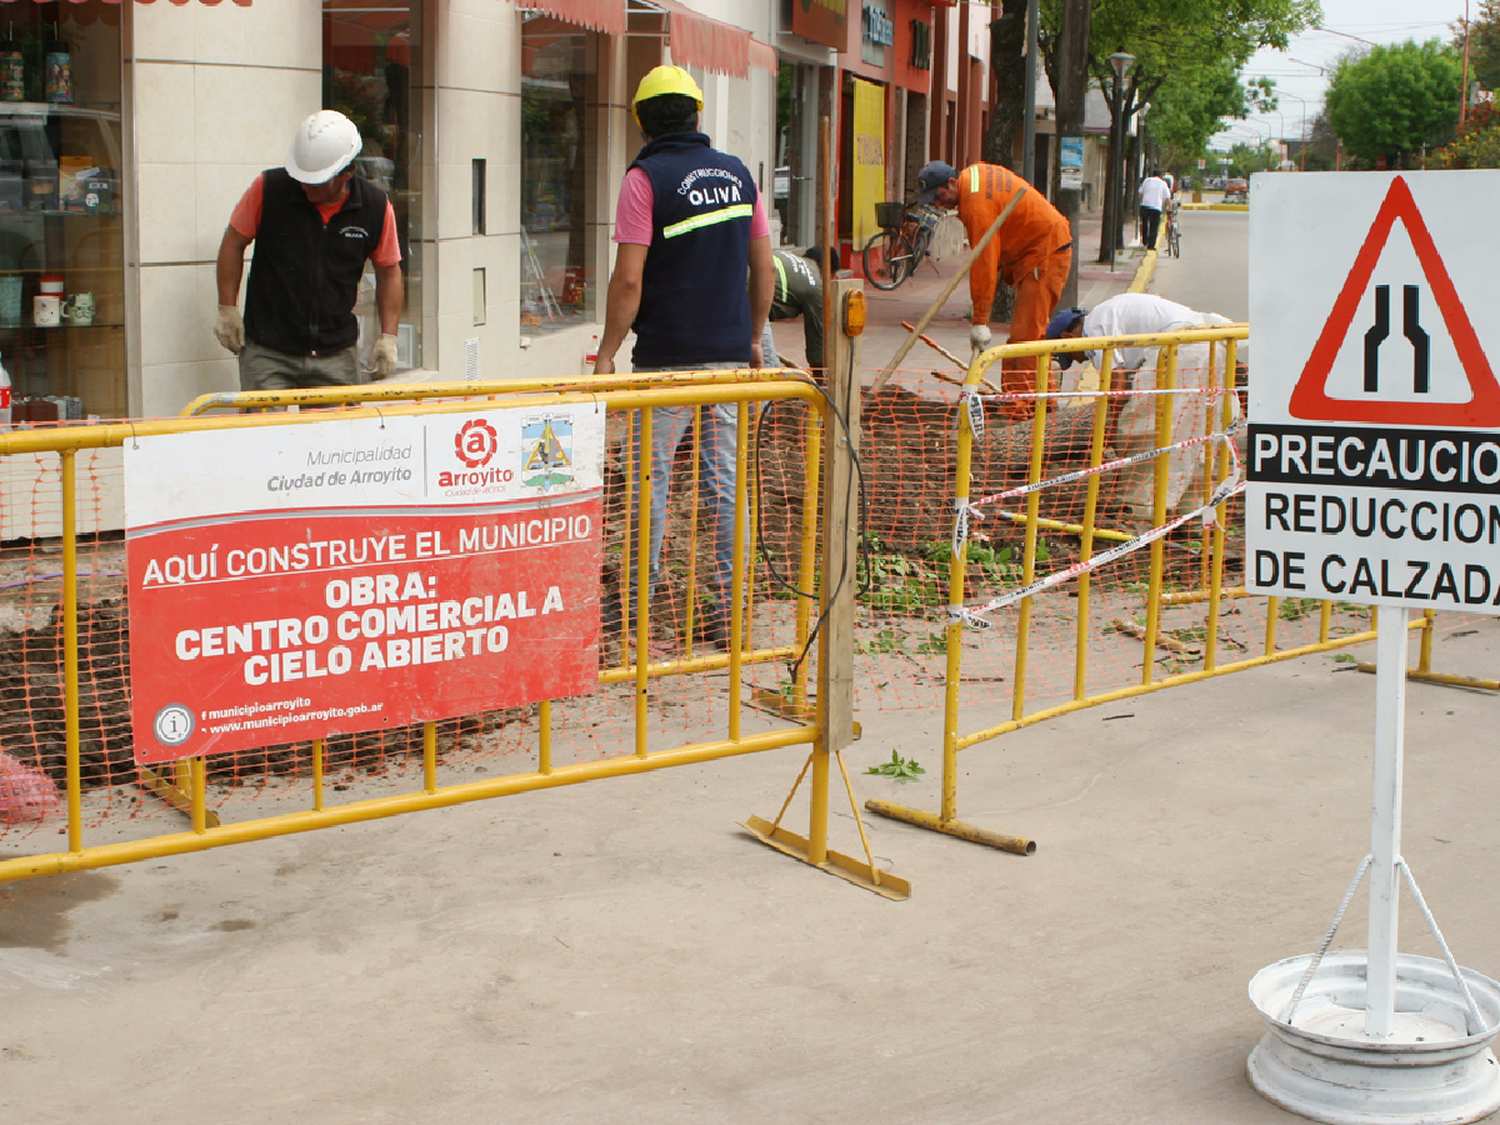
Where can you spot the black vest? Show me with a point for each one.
(695, 305)
(304, 276)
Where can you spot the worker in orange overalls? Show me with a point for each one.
(1032, 251)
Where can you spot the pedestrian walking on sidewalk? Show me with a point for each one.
(1156, 196)
(314, 224)
(1031, 252)
(690, 225)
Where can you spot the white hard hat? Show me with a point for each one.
(323, 147)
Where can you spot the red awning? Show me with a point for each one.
(607, 16)
(762, 55)
(710, 44)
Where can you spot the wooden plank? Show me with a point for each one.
(840, 527)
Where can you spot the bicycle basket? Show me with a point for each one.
(890, 214)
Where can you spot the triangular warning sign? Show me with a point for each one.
(1309, 398)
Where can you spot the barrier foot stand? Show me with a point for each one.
(1416, 675)
(971, 832)
(862, 873)
(774, 703)
(173, 794)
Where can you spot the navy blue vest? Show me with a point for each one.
(695, 307)
(305, 274)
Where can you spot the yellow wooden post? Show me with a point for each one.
(70, 647)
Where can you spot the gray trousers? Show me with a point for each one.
(265, 369)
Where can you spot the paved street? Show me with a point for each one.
(1210, 276)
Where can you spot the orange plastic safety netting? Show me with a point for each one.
(1094, 468)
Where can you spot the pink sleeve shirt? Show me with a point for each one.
(246, 219)
(633, 213)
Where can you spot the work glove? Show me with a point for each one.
(229, 329)
(384, 356)
(979, 339)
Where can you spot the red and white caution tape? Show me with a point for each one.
(1226, 436)
(974, 617)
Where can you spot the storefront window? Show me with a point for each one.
(62, 274)
(372, 74)
(558, 64)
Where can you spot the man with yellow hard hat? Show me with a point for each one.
(690, 224)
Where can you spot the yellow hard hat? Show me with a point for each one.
(665, 80)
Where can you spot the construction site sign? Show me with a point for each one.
(1374, 440)
(298, 581)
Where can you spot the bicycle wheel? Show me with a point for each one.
(920, 248)
(1174, 241)
(887, 259)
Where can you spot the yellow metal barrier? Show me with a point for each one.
(185, 785)
(1218, 461)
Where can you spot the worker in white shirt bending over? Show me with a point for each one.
(1133, 426)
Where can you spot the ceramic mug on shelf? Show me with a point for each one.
(78, 309)
(46, 310)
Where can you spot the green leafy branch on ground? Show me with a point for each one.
(898, 768)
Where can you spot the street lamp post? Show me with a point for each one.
(1139, 165)
(1119, 62)
(1302, 155)
(1262, 141)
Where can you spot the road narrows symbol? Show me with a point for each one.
(1376, 336)
(1411, 328)
(1310, 400)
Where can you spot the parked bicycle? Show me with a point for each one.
(1174, 233)
(904, 240)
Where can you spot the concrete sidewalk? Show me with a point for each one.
(622, 952)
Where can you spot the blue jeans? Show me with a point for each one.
(717, 450)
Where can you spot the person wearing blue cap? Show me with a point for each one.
(1032, 252)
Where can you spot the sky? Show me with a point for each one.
(1296, 70)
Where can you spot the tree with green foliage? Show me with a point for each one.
(1191, 105)
(1176, 41)
(1478, 145)
(1394, 102)
(1484, 45)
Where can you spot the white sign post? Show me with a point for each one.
(1374, 478)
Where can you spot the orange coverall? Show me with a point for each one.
(1032, 251)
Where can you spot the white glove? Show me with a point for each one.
(229, 329)
(979, 338)
(384, 356)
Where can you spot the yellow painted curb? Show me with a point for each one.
(1143, 273)
(1213, 206)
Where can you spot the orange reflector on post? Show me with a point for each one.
(854, 312)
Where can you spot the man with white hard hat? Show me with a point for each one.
(314, 224)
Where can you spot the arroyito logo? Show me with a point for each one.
(476, 442)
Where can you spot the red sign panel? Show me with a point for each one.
(464, 577)
(822, 21)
